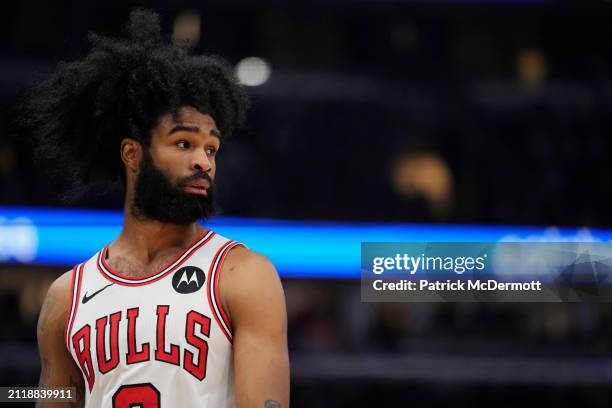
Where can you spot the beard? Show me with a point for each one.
(157, 198)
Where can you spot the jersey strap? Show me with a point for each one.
(75, 295)
(212, 292)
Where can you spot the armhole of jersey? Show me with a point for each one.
(214, 300)
(75, 292)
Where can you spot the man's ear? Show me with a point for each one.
(131, 154)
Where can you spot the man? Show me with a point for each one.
(169, 314)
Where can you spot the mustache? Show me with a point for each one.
(196, 176)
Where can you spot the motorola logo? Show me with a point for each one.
(188, 279)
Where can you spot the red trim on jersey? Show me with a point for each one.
(212, 298)
(216, 291)
(80, 268)
(66, 334)
(109, 272)
(208, 291)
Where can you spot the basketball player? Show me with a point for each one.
(170, 314)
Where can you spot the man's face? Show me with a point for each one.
(175, 180)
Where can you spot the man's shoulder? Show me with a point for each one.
(54, 311)
(251, 287)
(59, 292)
(242, 260)
(246, 273)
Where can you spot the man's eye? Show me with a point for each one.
(183, 144)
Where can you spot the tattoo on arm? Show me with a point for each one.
(272, 404)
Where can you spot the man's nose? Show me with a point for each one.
(201, 162)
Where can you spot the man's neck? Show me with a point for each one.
(145, 239)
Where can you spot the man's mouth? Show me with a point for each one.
(196, 190)
(199, 187)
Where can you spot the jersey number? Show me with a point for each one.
(136, 395)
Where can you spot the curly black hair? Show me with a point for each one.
(79, 115)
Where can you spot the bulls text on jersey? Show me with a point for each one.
(197, 329)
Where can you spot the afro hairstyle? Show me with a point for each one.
(78, 117)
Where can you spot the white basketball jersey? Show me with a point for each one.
(162, 340)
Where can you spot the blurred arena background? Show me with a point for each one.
(421, 113)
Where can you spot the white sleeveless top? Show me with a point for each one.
(159, 340)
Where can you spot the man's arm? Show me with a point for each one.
(57, 366)
(253, 296)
